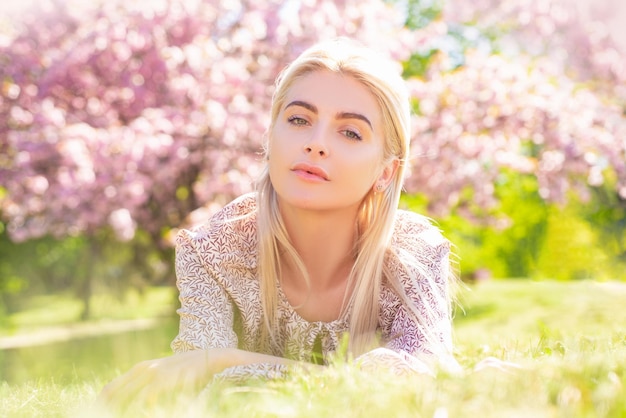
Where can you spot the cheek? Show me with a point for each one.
(278, 153)
(362, 173)
(280, 141)
(273, 163)
(279, 161)
(368, 164)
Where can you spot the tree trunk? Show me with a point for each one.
(85, 290)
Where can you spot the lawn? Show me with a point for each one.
(569, 340)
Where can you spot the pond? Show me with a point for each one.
(86, 358)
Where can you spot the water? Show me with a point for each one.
(86, 358)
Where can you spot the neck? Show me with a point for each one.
(324, 242)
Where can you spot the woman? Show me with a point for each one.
(320, 251)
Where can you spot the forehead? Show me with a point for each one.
(335, 93)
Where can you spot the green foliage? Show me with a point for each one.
(527, 213)
(81, 265)
(504, 241)
(417, 64)
(573, 248)
(420, 13)
(606, 210)
(526, 237)
(35, 267)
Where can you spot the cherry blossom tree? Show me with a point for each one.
(585, 38)
(533, 88)
(128, 116)
(131, 116)
(494, 114)
(539, 89)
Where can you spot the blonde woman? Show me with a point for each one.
(320, 251)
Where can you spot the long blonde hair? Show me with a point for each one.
(375, 221)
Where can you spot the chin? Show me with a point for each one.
(303, 202)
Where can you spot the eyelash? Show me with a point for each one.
(348, 133)
(297, 120)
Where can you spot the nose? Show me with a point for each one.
(313, 149)
(316, 144)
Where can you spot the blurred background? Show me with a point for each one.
(121, 122)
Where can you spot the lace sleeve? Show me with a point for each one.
(415, 308)
(430, 332)
(206, 313)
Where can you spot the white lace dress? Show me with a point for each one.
(221, 305)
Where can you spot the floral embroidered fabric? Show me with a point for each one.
(221, 304)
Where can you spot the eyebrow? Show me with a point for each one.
(340, 115)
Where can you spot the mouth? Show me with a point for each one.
(310, 171)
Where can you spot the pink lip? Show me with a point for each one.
(311, 172)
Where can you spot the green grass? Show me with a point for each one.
(569, 339)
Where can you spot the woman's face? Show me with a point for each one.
(326, 146)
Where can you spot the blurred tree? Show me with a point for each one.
(504, 241)
(37, 266)
(128, 116)
(134, 115)
(575, 249)
(606, 211)
(585, 39)
(579, 45)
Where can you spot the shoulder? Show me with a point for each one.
(419, 255)
(417, 234)
(229, 235)
(243, 206)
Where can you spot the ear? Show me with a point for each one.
(388, 174)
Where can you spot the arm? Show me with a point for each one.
(185, 372)
(205, 346)
(421, 324)
(206, 318)
(415, 306)
(206, 313)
